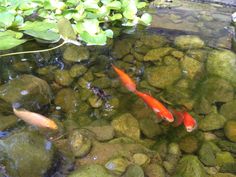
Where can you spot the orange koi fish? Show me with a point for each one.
(184, 117)
(156, 106)
(125, 79)
(35, 119)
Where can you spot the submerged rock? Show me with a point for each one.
(75, 53)
(134, 171)
(154, 170)
(122, 48)
(103, 132)
(117, 165)
(26, 91)
(7, 122)
(215, 89)
(163, 76)
(227, 146)
(188, 166)
(157, 54)
(127, 125)
(63, 77)
(27, 154)
(207, 153)
(153, 41)
(189, 144)
(149, 128)
(91, 170)
(223, 175)
(77, 70)
(213, 121)
(188, 42)
(230, 130)
(228, 110)
(222, 63)
(223, 158)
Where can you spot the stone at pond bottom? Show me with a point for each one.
(223, 175)
(117, 165)
(80, 144)
(224, 158)
(77, 70)
(154, 170)
(207, 153)
(215, 89)
(222, 63)
(7, 122)
(29, 91)
(163, 76)
(30, 154)
(63, 77)
(157, 54)
(227, 146)
(149, 127)
(122, 48)
(188, 166)
(93, 170)
(230, 130)
(188, 144)
(228, 110)
(141, 159)
(134, 171)
(103, 133)
(75, 54)
(127, 125)
(188, 42)
(153, 41)
(213, 121)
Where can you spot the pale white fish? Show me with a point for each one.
(35, 119)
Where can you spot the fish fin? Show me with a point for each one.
(179, 118)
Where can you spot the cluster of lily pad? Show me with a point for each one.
(91, 20)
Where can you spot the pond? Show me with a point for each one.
(184, 60)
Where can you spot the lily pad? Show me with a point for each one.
(65, 29)
(45, 35)
(38, 26)
(6, 19)
(97, 39)
(8, 42)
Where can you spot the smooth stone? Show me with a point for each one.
(77, 70)
(174, 149)
(157, 54)
(75, 53)
(134, 171)
(149, 128)
(230, 130)
(154, 170)
(95, 102)
(228, 168)
(117, 165)
(227, 146)
(30, 153)
(91, 170)
(189, 165)
(141, 159)
(223, 175)
(126, 125)
(189, 144)
(63, 77)
(7, 122)
(122, 48)
(154, 41)
(224, 158)
(103, 133)
(212, 121)
(155, 75)
(222, 63)
(228, 110)
(188, 42)
(207, 153)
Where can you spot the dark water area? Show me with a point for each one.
(185, 59)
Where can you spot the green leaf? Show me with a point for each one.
(45, 35)
(115, 5)
(91, 26)
(14, 34)
(6, 19)
(141, 5)
(115, 17)
(109, 33)
(38, 26)
(8, 42)
(105, 1)
(65, 29)
(19, 20)
(99, 39)
(146, 19)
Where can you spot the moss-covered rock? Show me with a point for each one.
(230, 130)
(153, 41)
(222, 63)
(149, 128)
(91, 171)
(154, 170)
(134, 171)
(77, 70)
(122, 48)
(63, 77)
(157, 54)
(224, 158)
(223, 175)
(117, 165)
(75, 53)
(103, 133)
(26, 91)
(7, 122)
(227, 146)
(188, 166)
(228, 110)
(127, 125)
(30, 154)
(189, 144)
(163, 76)
(207, 153)
(213, 121)
(215, 89)
(188, 42)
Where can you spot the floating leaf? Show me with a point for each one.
(91, 26)
(65, 29)
(14, 34)
(38, 26)
(6, 19)
(141, 5)
(8, 42)
(19, 20)
(99, 39)
(116, 17)
(115, 5)
(130, 10)
(45, 35)
(146, 19)
(109, 33)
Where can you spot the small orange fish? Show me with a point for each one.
(35, 119)
(184, 117)
(156, 106)
(125, 79)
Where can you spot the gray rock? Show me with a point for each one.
(163, 76)
(75, 53)
(217, 90)
(188, 166)
(91, 170)
(27, 154)
(222, 63)
(126, 125)
(26, 91)
(228, 110)
(213, 121)
(207, 153)
(189, 42)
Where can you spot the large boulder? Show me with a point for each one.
(27, 154)
(26, 91)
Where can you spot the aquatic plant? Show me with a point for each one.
(49, 21)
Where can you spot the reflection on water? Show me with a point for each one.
(106, 130)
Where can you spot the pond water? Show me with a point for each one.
(184, 60)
